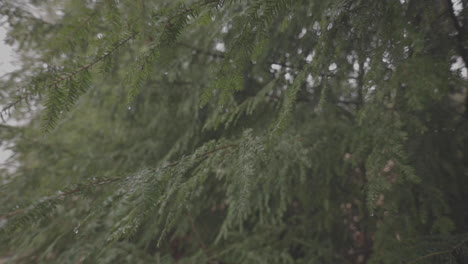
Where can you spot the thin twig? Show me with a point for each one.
(65, 194)
(100, 58)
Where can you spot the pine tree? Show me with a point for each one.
(222, 131)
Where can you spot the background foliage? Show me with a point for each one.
(217, 131)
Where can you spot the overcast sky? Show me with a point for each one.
(6, 54)
(6, 65)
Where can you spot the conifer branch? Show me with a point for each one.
(7, 107)
(349, 151)
(70, 76)
(98, 59)
(66, 194)
(111, 180)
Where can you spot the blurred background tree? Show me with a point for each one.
(217, 131)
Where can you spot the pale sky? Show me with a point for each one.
(6, 65)
(6, 54)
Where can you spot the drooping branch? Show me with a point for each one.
(98, 182)
(65, 194)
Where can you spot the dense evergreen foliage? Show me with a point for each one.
(224, 131)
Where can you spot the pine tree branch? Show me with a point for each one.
(10, 105)
(71, 75)
(65, 194)
(98, 59)
(166, 25)
(111, 180)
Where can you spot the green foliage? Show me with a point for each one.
(213, 131)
